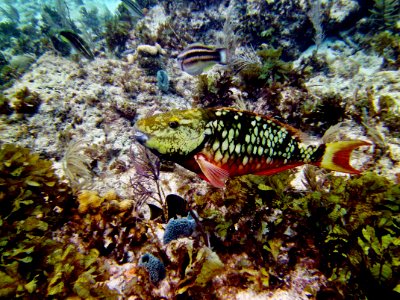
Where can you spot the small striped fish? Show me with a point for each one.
(197, 57)
(219, 143)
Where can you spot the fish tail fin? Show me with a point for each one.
(223, 56)
(337, 156)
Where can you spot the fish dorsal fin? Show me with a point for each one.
(214, 174)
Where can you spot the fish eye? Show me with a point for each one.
(173, 124)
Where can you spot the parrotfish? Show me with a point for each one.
(219, 143)
(197, 57)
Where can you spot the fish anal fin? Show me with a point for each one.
(278, 169)
(337, 156)
(214, 174)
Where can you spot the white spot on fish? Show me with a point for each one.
(249, 148)
(226, 158)
(247, 138)
(231, 148)
(245, 160)
(231, 135)
(260, 150)
(225, 145)
(237, 148)
(218, 156)
(224, 133)
(215, 145)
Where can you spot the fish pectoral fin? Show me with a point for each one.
(214, 174)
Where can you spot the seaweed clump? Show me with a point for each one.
(26, 101)
(385, 13)
(387, 44)
(349, 231)
(359, 235)
(215, 90)
(108, 224)
(117, 33)
(35, 204)
(5, 108)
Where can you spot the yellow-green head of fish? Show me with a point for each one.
(177, 133)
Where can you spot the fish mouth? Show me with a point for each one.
(141, 137)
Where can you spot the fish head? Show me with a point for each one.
(173, 135)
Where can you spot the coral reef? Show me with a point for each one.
(87, 213)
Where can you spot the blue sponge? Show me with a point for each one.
(177, 228)
(154, 266)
